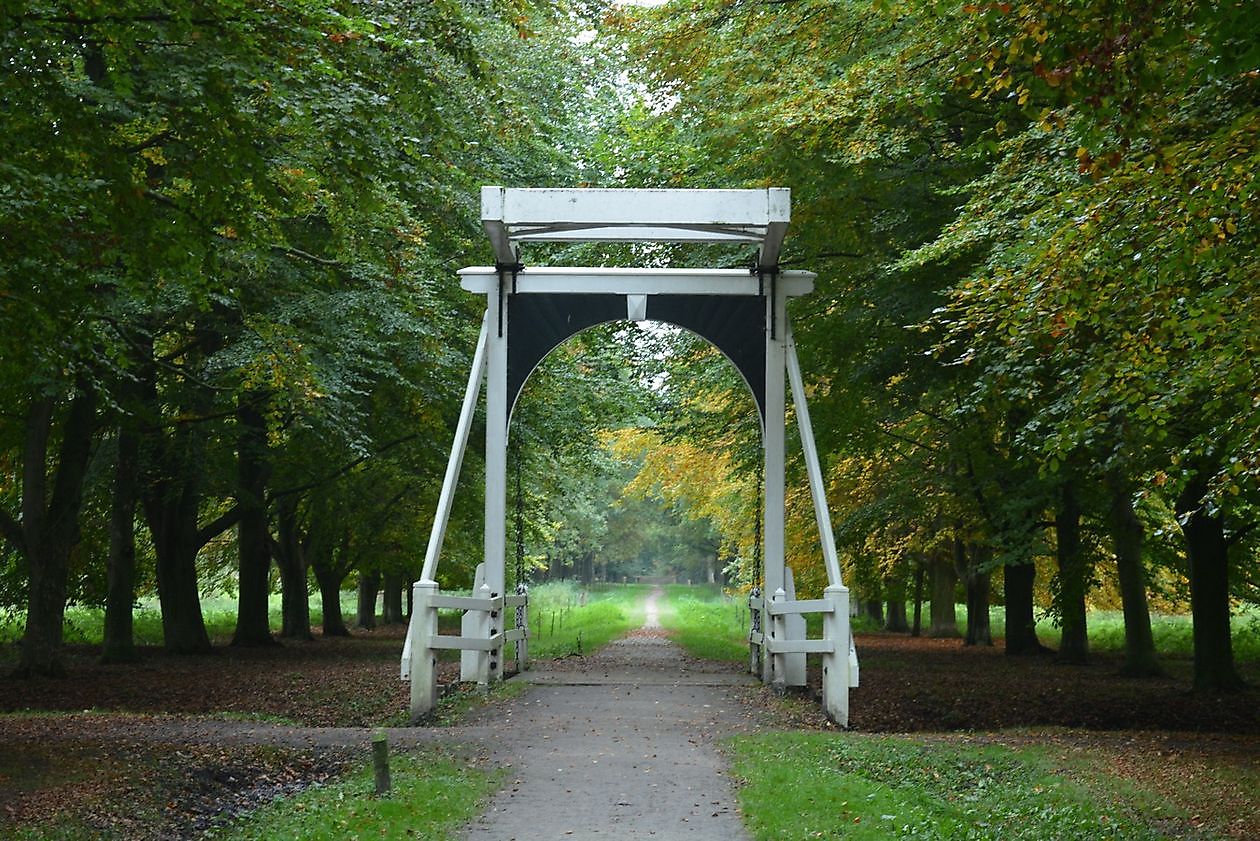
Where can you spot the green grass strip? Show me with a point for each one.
(564, 619)
(432, 796)
(847, 785)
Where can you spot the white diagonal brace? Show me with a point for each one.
(456, 460)
(817, 489)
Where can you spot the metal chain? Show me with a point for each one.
(520, 524)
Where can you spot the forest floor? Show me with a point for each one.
(172, 745)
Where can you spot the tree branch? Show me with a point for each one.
(218, 525)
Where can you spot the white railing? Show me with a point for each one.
(772, 637)
(485, 635)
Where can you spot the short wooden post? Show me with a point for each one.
(835, 663)
(380, 762)
(423, 655)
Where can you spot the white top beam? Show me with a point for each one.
(512, 215)
(484, 279)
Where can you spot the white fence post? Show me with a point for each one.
(778, 633)
(423, 655)
(835, 664)
(482, 632)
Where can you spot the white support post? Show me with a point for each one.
(773, 443)
(836, 663)
(447, 498)
(483, 629)
(471, 663)
(817, 488)
(423, 657)
(793, 673)
(778, 632)
(496, 453)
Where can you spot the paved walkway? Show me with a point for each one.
(621, 744)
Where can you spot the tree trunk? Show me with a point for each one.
(1127, 538)
(329, 573)
(944, 579)
(919, 571)
(118, 643)
(391, 604)
(896, 620)
(253, 536)
(874, 610)
(50, 525)
(972, 562)
(1207, 553)
(291, 560)
(369, 585)
(1021, 625)
(1073, 578)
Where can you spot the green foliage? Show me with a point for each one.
(433, 794)
(855, 786)
(565, 619)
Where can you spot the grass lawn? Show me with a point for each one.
(875, 787)
(565, 619)
(432, 795)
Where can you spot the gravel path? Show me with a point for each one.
(622, 744)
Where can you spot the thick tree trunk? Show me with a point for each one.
(1073, 578)
(874, 610)
(1021, 625)
(253, 537)
(944, 579)
(1207, 552)
(329, 574)
(118, 643)
(896, 617)
(291, 560)
(392, 601)
(173, 468)
(920, 570)
(972, 562)
(50, 525)
(369, 586)
(1127, 538)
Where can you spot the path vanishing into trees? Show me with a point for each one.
(622, 744)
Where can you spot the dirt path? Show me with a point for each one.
(621, 744)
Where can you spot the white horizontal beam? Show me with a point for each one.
(484, 279)
(802, 606)
(801, 646)
(511, 215)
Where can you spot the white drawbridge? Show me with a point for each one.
(531, 310)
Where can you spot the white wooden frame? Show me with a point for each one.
(756, 217)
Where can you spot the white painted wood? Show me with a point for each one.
(804, 606)
(484, 630)
(492, 221)
(813, 467)
(636, 307)
(598, 207)
(793, 632)
(468, 622)
(773, 470)
(778, 633)
(495, 543)
(477, 645)
(456, 460)
(423, 629)
(836, 663)
(799, 648)
(515, 635)
(483, 280)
